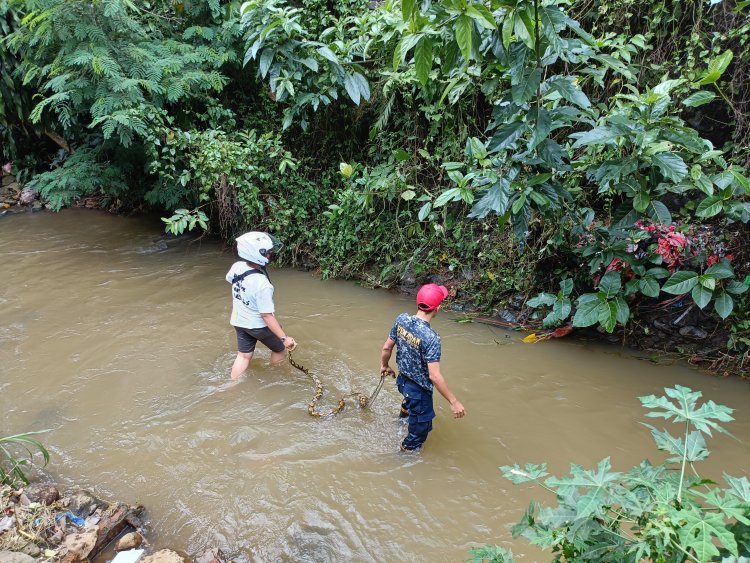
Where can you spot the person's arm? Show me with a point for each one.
(273, 325)
(438, 381)
(385, 358)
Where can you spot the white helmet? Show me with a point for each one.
(256, 247)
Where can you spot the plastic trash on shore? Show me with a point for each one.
(130, 556)
(557, 333)
(77, 520)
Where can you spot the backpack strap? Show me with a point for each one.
(239, 277)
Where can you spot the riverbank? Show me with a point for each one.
(39, 523)
(670, 329)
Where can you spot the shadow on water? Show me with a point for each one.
(118, 339)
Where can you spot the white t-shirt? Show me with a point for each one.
(250, 297)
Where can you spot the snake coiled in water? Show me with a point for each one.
(361, 399)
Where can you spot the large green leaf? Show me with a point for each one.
(587, 310)
(481, 15)
(362, 85)
(681, 282)
(408, 8)
(560, 311)
(683, 408)
(423, 59)
(597, 136)
(736, 287)
(529, 472)
(623, 310)
(542, 299)
(596, 487)
(649, 286)
(506, 136)
(569, 91)
(610, 283)
(721, 270)
(524, 29)
(723, 305)
(699, 530)
(641, 201)
(451, 194)
(666, 442)
(727, 503)
(670, 165)
(496, 200)
(698, 99)
(739, 487)
(526, 88)
(659, 212)
(352, 88)
(464, 30)
(701, 296)
(542, 128)
(552, 21)
(716, 68)
(607, 315)
(709, 207)
(507, 31)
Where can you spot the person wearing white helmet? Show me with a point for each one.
(253, 311)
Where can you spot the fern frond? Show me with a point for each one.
(54, 100)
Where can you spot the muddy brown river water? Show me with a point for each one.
(118, 341)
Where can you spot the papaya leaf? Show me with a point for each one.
(680, 405)
(699, 530)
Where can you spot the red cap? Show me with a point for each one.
(430, 296)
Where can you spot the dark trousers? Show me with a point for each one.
(418, 404)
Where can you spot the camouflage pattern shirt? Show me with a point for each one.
(417, 345)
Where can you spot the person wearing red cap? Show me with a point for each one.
(418, 361)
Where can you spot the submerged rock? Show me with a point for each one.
(164, 556)
(211, 556)
(28, 195)
(15, 557)
(129, 541)
(83, 503)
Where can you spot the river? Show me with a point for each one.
(117, 339)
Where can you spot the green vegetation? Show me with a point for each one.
(11, 465)
(519, 146)
(665, 512)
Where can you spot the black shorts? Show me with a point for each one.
(248, 337)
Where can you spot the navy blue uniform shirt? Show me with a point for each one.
(416, 346)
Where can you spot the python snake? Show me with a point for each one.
(363, 400)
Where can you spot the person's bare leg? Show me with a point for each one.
(277, 358)
(240, 364)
